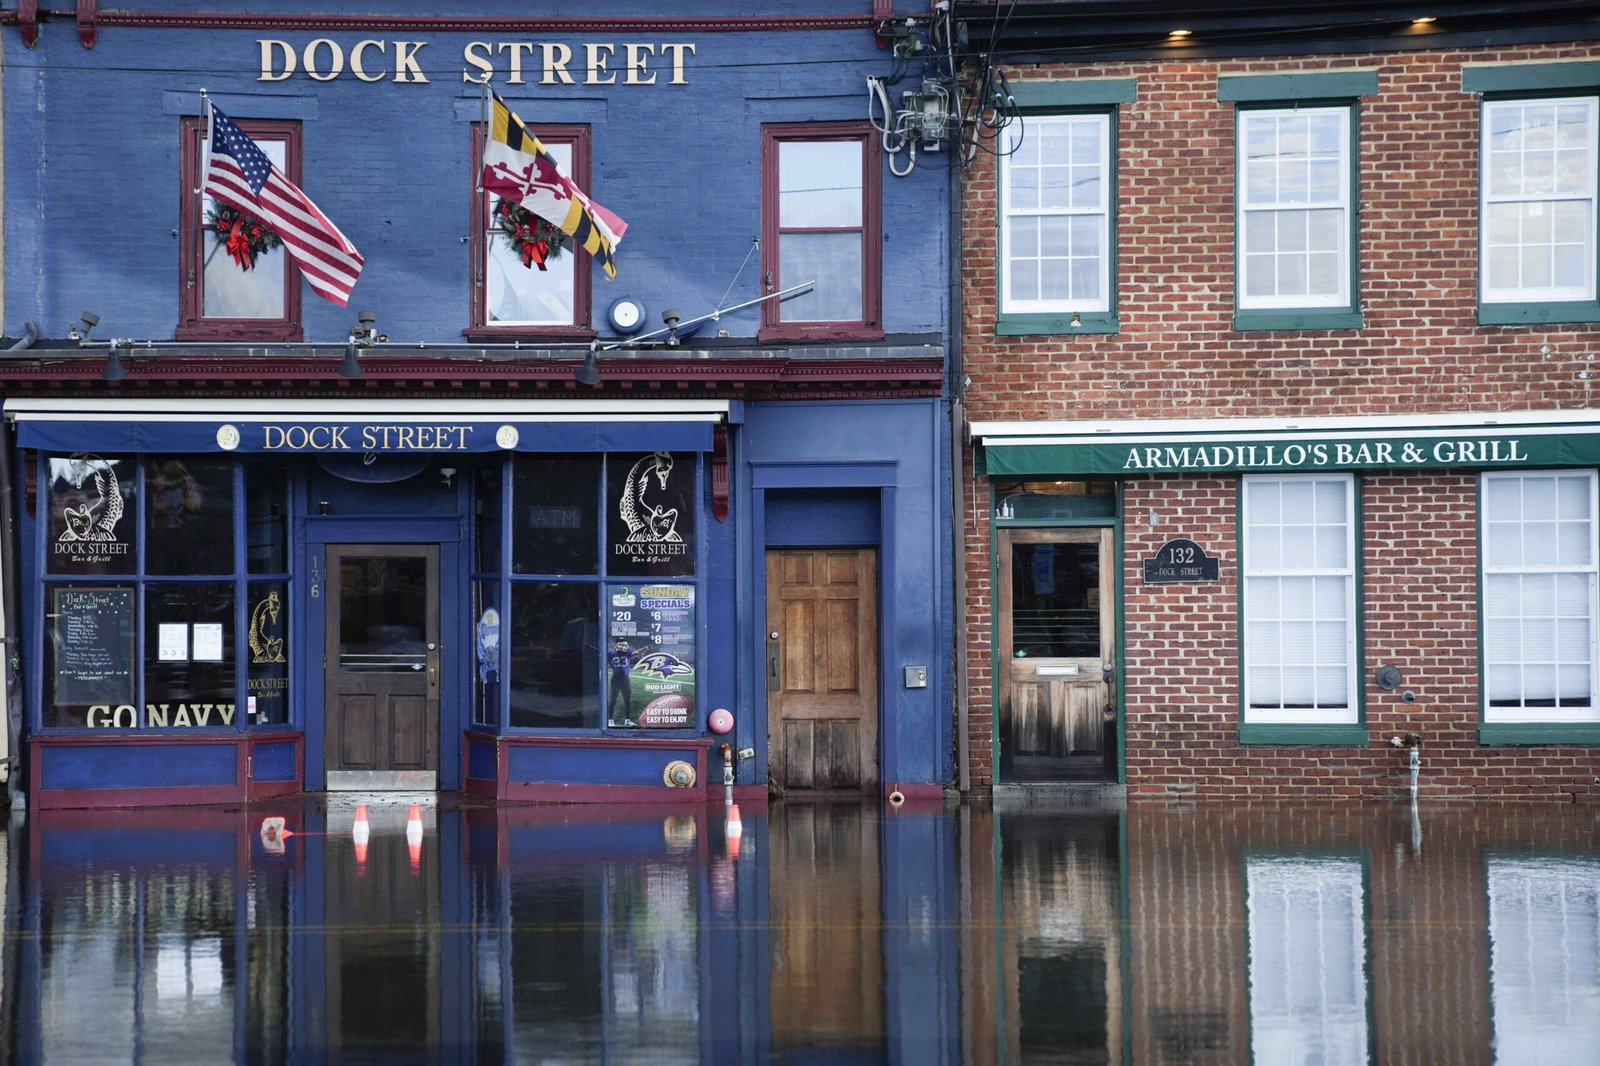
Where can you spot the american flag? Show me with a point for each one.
(239, 173)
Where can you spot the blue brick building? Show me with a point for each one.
(496, 525)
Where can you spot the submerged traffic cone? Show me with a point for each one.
(360, 833)
(414, 836)
(272, 834)
(735, 830)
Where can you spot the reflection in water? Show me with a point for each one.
(834, 932)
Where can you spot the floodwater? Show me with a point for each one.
(817, 932)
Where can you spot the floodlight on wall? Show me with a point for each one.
(364, 334)
(88, 320)
(589, 373)
(671, 317)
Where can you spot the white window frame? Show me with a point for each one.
(1253, 575)
(1247, 209)
(1030, 126)
(1304, 916)
(1491, 570)
(1489, 201)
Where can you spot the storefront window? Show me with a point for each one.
(189, 516)
(266, 491)
(650, 515)
(490, 499)
(91, 507)
(555, 655)
(89, 646)
(553, 525)
(486, 652)
(267, 689)
(189, 657)
(160, 649)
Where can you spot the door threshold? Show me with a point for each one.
(383, 781)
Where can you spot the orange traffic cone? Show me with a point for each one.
(735, 830)
(360, 833)
(414, 836)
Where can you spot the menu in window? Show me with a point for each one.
(92, 641)
(650, 655)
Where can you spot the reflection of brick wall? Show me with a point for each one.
(1176, 355)
(1426, 927)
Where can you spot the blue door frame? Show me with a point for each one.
(455, 695)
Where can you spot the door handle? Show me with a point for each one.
(433, 669)
(774, 668)
(1108, 674)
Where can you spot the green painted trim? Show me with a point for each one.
(1051, 523)
(1528, 733)
(996, 666)
(1056, 323)
(1321, 85)
(1477, 568)
(1530, 77)
(1287, 732)
(1254, 319)
(1120, 631)
(1238, 597)
(1538, 314)
(1290, 735)
(1333, 318)
(1073, 92)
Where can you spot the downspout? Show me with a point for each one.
(958, 526)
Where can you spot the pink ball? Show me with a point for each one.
(720, 721)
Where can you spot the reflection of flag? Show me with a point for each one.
(238, 172)
(517, 167)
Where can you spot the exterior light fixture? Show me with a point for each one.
(670, 316)
(114, 370)
(1077, 320)
(1178, 35)
(589, 373)
(89, 320)
(1423, 20)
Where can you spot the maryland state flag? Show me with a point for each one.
(517, 167)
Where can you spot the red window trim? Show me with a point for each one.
(870, 325)
(193, 238)
(581, 327)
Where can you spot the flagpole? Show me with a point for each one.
(205, 139)
(488, 127)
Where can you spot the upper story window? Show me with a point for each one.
(1539, 191)
(1055, 215)
(1056, 208)
(1295, 205)
(1294, 208)
(820, 224)
(511, 295)
(227, 291)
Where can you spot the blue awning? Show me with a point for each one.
(325, 428)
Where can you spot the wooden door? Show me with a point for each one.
(382, 666)
(822, 668)
(1056, 611)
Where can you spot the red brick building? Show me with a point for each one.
(1282, 348)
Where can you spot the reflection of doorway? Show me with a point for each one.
(827, 952)
(822, 668)
(1056, 655)
(382, 676)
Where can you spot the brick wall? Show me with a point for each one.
(1176, 356)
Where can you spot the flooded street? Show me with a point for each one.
(810, 932)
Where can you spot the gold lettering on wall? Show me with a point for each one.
(511, 62)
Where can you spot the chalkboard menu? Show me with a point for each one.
(93, 643)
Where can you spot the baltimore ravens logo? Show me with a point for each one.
(661, 664)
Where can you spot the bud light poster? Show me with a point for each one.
(650, 657)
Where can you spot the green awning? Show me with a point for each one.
(1478, 442)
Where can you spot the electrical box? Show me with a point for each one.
(916, 677)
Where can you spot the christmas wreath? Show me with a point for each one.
(243, 235)
(531, 237)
